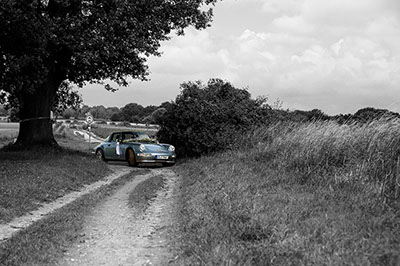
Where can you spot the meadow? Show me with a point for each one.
(295, 194)
(33, 177)
(8, 131)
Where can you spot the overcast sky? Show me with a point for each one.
(334, 55)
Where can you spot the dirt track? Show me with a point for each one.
(115, 235)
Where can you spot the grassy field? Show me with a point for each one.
(8, 132)
(308, 194)
(29, 179)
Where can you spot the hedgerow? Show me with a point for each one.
(207, 118)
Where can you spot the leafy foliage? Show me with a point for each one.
(89, 40)
(207, 118)
(66, 98)
(44, 43)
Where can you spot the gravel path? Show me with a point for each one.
(115, 235)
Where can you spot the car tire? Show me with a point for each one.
(131, 158)
(100, 155)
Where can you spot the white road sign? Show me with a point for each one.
(89, 119)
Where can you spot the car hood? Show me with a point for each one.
(156, 148)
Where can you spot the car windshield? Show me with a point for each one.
(134, 136)
(142, 136)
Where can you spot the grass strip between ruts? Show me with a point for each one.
(143, 192)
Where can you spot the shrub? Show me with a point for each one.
(57, 124)
(126, 124)
(207, 118)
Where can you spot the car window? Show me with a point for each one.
(115, 137)
(129, 136)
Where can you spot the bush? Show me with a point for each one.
(207, 118)
(126, 124)
(57, 124)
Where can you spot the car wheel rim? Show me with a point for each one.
(99, 155)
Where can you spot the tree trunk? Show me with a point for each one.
(36, 126)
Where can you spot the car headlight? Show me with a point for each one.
(145, 154)
(142, 147)
(171, 148)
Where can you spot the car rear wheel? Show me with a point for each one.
(132, 158)
(100, 155)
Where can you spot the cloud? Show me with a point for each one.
(286, 7)
(295, 24)
(341, 12)
(333, 55)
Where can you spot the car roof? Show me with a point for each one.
(138, 132)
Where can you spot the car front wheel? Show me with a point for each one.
(100, 155)
(132, 158)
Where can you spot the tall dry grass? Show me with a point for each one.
(295, 194)
(334, 154)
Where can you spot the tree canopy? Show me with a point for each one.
(44, 43)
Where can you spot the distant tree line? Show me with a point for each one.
(131, 112)
(364, 115)
(136, 113)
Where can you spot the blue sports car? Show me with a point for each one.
(135, 148)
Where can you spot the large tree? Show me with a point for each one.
(44, 43)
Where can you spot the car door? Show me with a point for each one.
(126, 140)
(111, 147)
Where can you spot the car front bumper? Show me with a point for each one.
(154, 161)
(171, 158)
